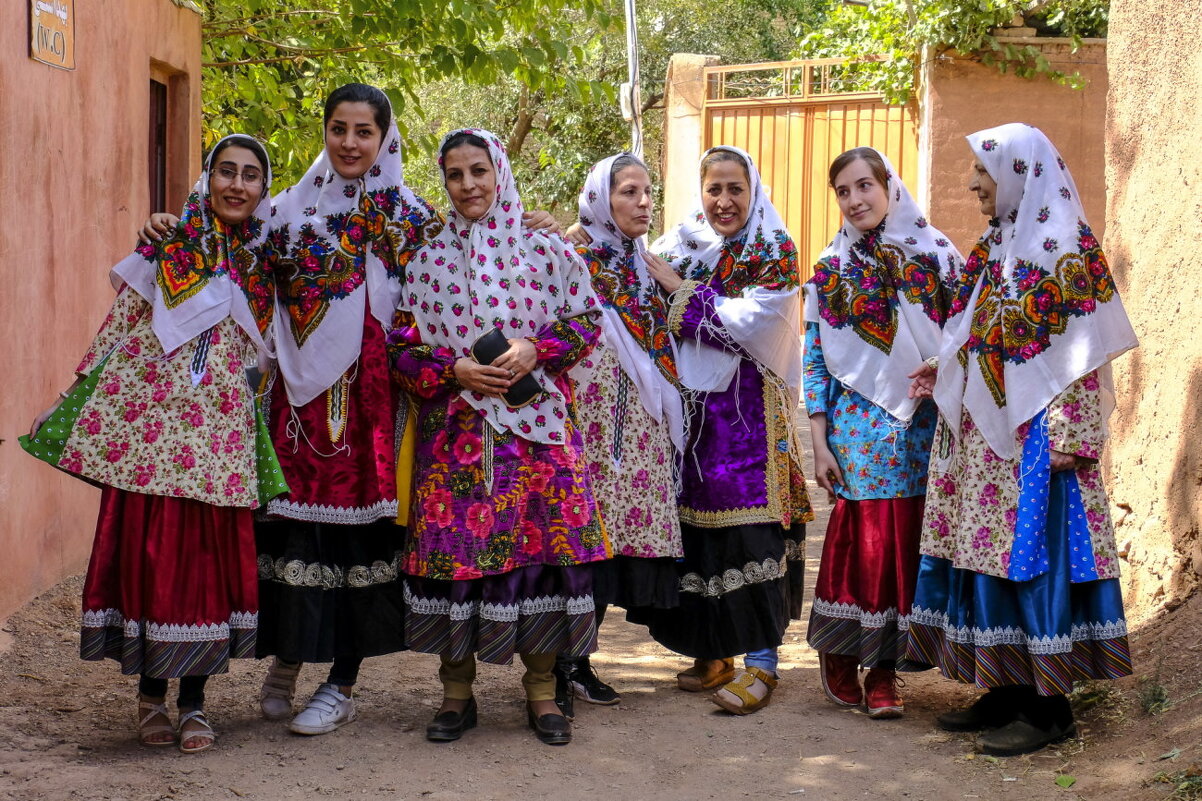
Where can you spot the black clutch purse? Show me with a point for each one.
(486, 350)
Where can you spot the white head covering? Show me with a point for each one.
(477, 275)
(757, 268)
(877, 297)
(1035, 307)
(635, 315)
(338, 245)
(207, 270)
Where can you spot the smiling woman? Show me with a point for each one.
(164, 380)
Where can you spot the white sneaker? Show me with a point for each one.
(327, 710)
(275, 699)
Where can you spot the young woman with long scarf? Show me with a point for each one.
(630, 411)
(503, 525)
(163, 419)
(874, 309)
(1018, 588)
(735, 309)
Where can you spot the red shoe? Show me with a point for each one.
(880, 694)
(840, 678)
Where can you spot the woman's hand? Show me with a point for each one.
(663, 273)
(577, 235)
(159, 225)
(1063, 461)
(541, 221)
(923, 385)
(827, 472)
(43, 417)
(482, 378)
(520, 359)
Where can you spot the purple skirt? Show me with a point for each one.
(541, 609)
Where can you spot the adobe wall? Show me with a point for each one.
(683, 134)
(73, 186)
(960, 96)
(1154, 175)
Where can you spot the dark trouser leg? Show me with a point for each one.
(192, 692)
(152, 688)
(344, 672)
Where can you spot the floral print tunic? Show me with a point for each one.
(154, 424)
(879, 456)
(972, 507)
(485, 502)
(630, 460)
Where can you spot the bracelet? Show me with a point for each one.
(933, 362)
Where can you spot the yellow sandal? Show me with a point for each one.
(748, 692)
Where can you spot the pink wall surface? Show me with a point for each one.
(73, 188)
(961, 96)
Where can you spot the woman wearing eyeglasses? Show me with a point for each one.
(163, 418)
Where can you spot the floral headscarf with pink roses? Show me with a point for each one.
(207, 270)
(339, 248)
(877, 298)
(1035, 306)
(477, 275)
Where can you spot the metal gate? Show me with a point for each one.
(794, 117)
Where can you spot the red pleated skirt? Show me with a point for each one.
(866, 579)
(172, 586)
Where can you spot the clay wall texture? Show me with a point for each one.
(960, 96)
(73, 188)
(1154, 176)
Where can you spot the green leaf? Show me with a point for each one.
(1065, 780)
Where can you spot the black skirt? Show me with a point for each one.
(632, 581)
(735, 592)
(329, 591)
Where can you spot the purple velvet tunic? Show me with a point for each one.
(737, 465)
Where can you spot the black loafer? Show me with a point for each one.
(1020, 737)
(550, 729)
(992, 710)
(450, 726)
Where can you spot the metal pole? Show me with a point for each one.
(632, 87)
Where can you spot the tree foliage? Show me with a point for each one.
(269, 64)
(901, 30)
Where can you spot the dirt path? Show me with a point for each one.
(66, 733)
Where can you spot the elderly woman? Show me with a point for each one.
(163, 419)
(735, 310)
(630, 410)
(503, 525)
(873, 310)
(1018, 589)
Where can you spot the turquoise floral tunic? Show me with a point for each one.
(880, 457)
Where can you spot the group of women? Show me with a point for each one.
(337, 423)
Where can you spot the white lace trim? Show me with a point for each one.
(337, 515)
(170, 632)
(297, 573)
(733, 579)
(1042, 646)
(868, 620)
(501, 613)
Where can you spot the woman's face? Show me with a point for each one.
(471, 180)
(630, 201)
(726, 197)
(235, 184)
(353, 138)
(981, 184)
(862, 200)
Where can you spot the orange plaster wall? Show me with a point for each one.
(73, 187)
(1154, 170)
(962, 96)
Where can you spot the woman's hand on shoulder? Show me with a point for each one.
(576, 235)
(483, 378)
(541, 221)
(159, 225)
(663, 273)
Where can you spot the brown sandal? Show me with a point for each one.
(705, 674)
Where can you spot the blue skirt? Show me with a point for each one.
(1046, 632)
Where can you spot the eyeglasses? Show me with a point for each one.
(249, 177)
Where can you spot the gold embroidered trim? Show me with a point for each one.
(678, 301)
(337, 399)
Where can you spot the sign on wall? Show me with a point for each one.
(52, 32)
